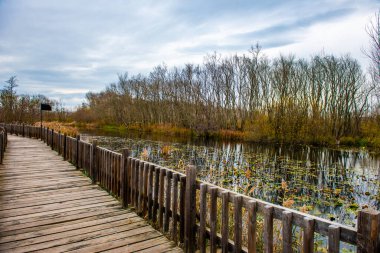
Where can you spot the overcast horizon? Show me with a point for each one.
(65, 49)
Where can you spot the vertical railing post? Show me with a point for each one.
(124, 178)
(59, 142)
(5, 139)
(64, 146)
(52, 139)
(368, 231)
(1, 147)
(93, 164)
(47, 136)
(77, 152)
(23, 130)
(191, 174)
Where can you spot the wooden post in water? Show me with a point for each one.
(23, 130)
(368, 231)
(124, 178)
(77, 152)
(191, 174)
(93, 159)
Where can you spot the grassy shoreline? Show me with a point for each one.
(228, 135)
(74, 128)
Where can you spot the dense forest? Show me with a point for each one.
(286, 99)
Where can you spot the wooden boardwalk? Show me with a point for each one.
(47, 205)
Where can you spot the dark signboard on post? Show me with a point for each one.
(45, 107)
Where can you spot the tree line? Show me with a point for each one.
(17, 108)
(283, 99)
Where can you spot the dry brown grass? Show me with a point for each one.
(65, 128)
(165, 150)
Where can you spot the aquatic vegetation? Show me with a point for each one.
(165, 150)
(144, 154)
(333, 184)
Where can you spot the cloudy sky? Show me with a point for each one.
(66, 48)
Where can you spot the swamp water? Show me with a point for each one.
(329, 183)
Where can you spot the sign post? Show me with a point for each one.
(44, 107)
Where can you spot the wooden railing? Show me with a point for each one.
(196, 214)
(3, 142)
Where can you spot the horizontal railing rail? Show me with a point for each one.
(200, 215)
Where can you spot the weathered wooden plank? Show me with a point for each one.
(175, 208)
(368, 231)
(308, 235)
(65, 218)
(268, 229)
(213, 219)
(155, 193)
(124, 178)
(145, 190)
(133, 176)
(182, 209)
(333, 239)
(252, 225)
(82, 240)
(161, 197)
(237, 224)
(44, 235)
(190, 198)
(168, 190)
(287, 232)
(150, 191)
(202, 218)
(225, 218)
(140, 187)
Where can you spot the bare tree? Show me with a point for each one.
(373, 52)
(8, 98)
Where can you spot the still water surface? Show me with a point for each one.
(330, 183)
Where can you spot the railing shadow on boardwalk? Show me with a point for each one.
(196, 214)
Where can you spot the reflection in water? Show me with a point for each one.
(328, 183)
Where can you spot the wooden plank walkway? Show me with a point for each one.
(46, 205)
